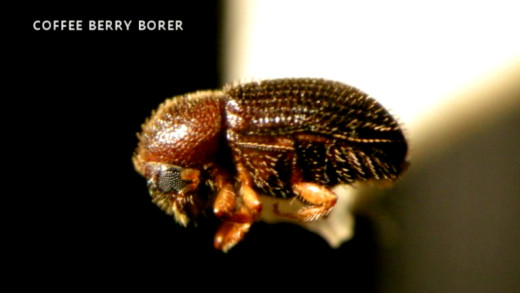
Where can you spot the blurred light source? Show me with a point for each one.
(415, 57)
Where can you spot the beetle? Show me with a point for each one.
(222, 150)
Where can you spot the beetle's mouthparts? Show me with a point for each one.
(173, 205)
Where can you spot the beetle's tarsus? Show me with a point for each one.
(319, 198)
(229, 234)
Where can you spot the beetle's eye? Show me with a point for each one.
(170, 180)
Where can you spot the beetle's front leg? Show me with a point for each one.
(229, 234)
(242, 208)
(236, 211)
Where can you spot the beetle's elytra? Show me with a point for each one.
(221, 150)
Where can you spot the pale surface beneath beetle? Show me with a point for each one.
(337, 227)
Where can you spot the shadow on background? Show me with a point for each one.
(458, 215)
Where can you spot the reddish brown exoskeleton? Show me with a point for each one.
(281, 138)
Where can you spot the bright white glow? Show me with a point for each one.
(409, 55)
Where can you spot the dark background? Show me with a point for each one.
(87, 217)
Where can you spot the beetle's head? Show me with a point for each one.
(175, 144)
(174, 189)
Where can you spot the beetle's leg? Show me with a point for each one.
(236, 222)
(250, 204)
(225, 201)
(244, 208)
(230, 233)
(320, 200)
(238, 212)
